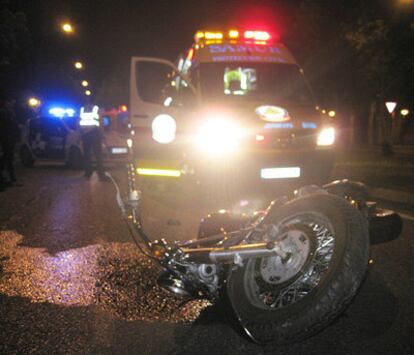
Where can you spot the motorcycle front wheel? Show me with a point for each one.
(280, 300)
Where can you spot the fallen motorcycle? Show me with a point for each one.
(285, 272)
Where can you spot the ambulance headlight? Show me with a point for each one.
(218, 136)
(326, 136)
(163, 129)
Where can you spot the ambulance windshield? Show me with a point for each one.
(253, 81)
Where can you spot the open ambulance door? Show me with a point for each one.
(156, 87)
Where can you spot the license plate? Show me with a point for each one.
(280, 173)
(122, 150)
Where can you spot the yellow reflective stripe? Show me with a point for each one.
(159, 172)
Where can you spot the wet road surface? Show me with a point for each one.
(71, 281)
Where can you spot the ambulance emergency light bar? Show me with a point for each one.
(61, 112)
(249, 35)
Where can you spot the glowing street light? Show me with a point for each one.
(33, 102)
(67, 28)
(332, 113)
(404, 112)
(85, 83)
(88, 93)
(78, 65)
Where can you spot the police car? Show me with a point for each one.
(56, 136)
(52, 136)
(236, 100)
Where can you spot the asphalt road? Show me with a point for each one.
(71, 281)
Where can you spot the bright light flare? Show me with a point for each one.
(33, 102)
(67, 27)
(257, 35)
(332, 113)
(163, 129)
(219, 136)
(88, 92)
(78, 65)
(280, 173)
(213, 35)
(234, 34)
(326, 136)
(85, 83)
(404, 112)
(61, 112)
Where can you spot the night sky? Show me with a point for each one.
(109, 32)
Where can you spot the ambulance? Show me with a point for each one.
(236, 100)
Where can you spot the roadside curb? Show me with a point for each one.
(392, 195)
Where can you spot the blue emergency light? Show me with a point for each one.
(62, 112)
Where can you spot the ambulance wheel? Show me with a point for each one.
(26, 157)
(75, 159)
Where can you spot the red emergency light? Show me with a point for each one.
(257, 35)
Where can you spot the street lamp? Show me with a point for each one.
(85, 83)
(67, 28)
(88, 93)
(33, 102)
(78, 65)
(405, 112)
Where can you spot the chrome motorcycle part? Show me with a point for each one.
(207, 272)
(296, 244)
(234, 254)
(279, 282)
(173, 284)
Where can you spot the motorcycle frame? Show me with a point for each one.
(192, 250)
(231, 250)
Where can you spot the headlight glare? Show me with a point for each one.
(163, 129)
(326, 136)
(217, 136)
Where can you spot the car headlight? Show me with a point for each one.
(326, 136)
(163, 129)
(218, 136)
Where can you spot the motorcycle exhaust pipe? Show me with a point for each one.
(235, 254)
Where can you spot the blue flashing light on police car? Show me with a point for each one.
(61, 112)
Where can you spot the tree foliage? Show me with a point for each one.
(355, 51)
(15, 46)
(15, 40)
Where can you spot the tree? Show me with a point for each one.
(15, 45)
(355, 52)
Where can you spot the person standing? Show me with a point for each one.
(91, 140)
(9, 136)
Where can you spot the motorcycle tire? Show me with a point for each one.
(336, 284)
